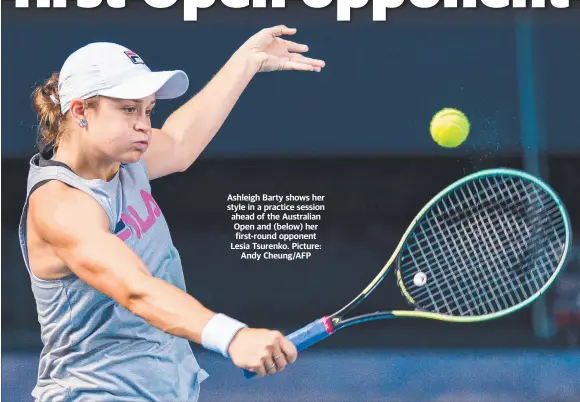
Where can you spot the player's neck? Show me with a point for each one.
(86, 163)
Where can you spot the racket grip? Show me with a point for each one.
(311, 333)
(305, 337)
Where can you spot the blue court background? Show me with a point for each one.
(356, 133)
(365, 375)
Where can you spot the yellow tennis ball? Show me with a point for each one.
(449, 127)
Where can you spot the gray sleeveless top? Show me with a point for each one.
(94, 349)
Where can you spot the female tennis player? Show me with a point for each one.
(108, 282)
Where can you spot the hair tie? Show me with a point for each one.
(54, 100)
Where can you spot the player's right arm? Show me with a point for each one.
(77, 229)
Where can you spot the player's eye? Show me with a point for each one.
(150, 112)
(130, 109)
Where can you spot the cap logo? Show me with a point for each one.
(134, 57)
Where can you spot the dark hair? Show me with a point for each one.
(50, 125)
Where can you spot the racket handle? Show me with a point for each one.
(306, 337)
(311, 333)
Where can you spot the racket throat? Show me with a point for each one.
(329, 324)
(378, 315)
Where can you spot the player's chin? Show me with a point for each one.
(132, 156)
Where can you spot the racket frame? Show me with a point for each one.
(328, 325)
(338, 320)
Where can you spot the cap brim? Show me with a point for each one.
(164, 84)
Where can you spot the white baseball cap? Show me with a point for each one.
(112, 70)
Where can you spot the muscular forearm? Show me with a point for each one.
(193, 125)
(177, 313)
(169, 308)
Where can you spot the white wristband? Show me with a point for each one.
(219, 332)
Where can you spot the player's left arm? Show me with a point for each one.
(189, 129)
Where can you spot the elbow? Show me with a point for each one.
(184, 150)
(184, 162)
(136, 296)
(182, 167)
(181, 159)
(186, 156)
(134, 302)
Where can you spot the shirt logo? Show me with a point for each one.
(133, 223)
(134, 57)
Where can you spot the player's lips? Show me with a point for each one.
(142, 144)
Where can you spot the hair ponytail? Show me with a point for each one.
(47, 107)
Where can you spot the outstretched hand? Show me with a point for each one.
(273, 53)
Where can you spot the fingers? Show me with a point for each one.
(299, 62)
(269, 366)
(295, 47)
(266, 365)
(279, 358)
(283, 351)
(264, 352)
(307, 60)
(260, 371)
(292, 65)
(281, 30)
(289, 350)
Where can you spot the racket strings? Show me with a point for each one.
(498, 285)
(463, 283)
(460, 238)
(493, 289)
(486, 246)
(503, 293)
(474, 252)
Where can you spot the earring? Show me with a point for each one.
(83, 123)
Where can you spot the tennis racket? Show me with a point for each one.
(484, 247)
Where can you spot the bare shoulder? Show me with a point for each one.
(61, 213)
